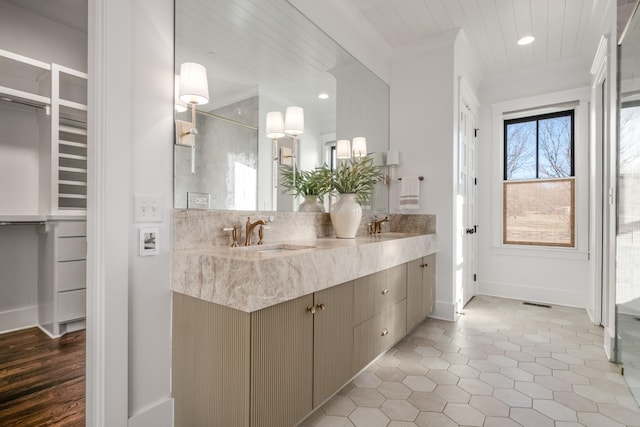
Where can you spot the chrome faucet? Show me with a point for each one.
(377, 225)
(249, 229)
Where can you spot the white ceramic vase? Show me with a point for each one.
(346, 214)
(311, 204)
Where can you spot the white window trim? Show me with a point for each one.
(577, 99)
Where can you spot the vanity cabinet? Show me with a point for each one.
(379, 313)
(272, 367)
(421, 289)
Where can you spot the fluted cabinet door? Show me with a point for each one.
(429, 283)
(210, 364)
(333, 341)
(282, 363)
(415, 294)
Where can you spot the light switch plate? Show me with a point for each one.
(147, 208)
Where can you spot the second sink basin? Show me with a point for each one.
(275, 248)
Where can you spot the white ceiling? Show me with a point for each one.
(564, 29)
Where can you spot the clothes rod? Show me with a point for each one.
(22, 223)
(420, 178)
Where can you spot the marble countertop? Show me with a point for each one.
(256, 277)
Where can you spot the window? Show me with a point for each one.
(538, 182)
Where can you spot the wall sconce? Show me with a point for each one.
(193, 90)
(359, 146)
(343, 149)
(292, 125)
(393, 160)
(179, 105)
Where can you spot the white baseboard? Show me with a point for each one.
(20, 318)
(444, 311)
(610, 345)
(157, 415)
(533, 294)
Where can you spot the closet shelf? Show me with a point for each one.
(71, 156)
(72, 196)
(72, 143)
(72, 104)
(74, 130)
(67, 182)
(11, 94)
(68, 169)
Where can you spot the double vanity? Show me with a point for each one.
(263, 335)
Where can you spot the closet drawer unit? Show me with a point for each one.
(72, 249)
(72, 275)
(72, 229)
(72, 305)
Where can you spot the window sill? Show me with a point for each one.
(541, 252)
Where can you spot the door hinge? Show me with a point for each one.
(475, 277)
(475, 132)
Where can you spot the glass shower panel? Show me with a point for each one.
(628, 224)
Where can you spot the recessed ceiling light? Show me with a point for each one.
(526, 40)
(323, 96)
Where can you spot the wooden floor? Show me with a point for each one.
(42, 380)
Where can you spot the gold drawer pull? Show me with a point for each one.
(320, 306)
(385, 291)
(384, 332)
(312, 309)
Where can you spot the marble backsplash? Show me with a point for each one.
(197, 229)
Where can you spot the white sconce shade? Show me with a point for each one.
(294, 121)
(180, 106)
(359, 146)
(393, 158)
(275, 125)
(194, 88)
(343, 149)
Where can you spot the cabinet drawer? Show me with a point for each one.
(392, 288)
(72, 229)
(72, 249)
(72, 275)
(71, 305)
(378, 334)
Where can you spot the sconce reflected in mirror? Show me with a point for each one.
(193, 89)
(393, 160)
(359, 146)
(279, 126)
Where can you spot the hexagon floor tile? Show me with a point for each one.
(502, 364)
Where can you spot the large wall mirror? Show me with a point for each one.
(262, 56)
(628, 204)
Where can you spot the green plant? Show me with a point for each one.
(356, 176)
(316, 182)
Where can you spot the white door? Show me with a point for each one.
(467, 225)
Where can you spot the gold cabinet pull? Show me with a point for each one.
(312, 309)
(384, 332)
(424, 265)
(320, 306)
(385, 291)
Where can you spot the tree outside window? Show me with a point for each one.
(539, 183)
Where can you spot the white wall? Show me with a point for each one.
(151, 173)
(550, 276)
(422, 130)
(32, 35)
(131, 145)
